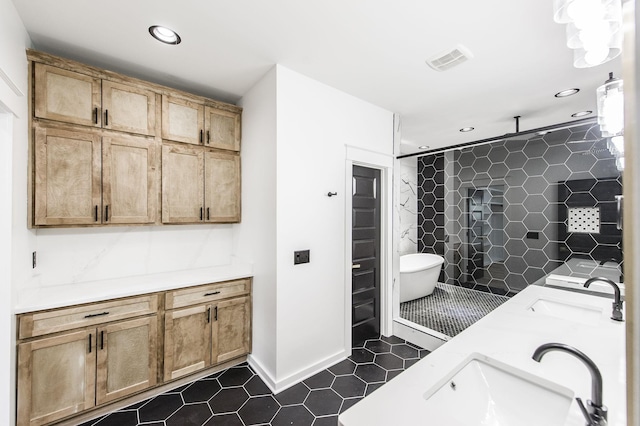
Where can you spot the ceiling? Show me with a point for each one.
(372, 49)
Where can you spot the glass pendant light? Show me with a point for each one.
(611, 107)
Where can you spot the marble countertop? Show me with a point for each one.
(511, 334)
(31, 299)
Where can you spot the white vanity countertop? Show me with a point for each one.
(30, 300)
(511, 334)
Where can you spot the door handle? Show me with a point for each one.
(355, 266)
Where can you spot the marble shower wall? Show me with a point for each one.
(408, 205)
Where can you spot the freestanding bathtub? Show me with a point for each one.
(418, 275)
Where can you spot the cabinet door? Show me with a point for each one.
(222, 187)
(128, 180)
(127, 361)
(128, 108)
(182, 184)
(56, 377)
(187, 341)
(231, 332)
(67, 177)
(182, 120)
(66, 96)
(222, 129)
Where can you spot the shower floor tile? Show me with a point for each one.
(450, 309)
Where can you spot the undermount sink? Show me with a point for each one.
(484, 391)
(579, 313)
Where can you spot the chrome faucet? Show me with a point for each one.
(596, 412)
(616, 314)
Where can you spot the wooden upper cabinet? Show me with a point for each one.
(128, 180)
(222, 186)
(128, 108)
(182, 120)
(76, 98)
(56, 377)
(67, 177)
(222, 129)
(126, 358)
(67, 96)
(182, 184)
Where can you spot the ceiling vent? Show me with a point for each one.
(450, 58)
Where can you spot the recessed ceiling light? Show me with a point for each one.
(423, 147)
(165, 35)
(467, 129)
(581, 113)
(565, 93)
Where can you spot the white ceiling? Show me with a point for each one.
(372, 49)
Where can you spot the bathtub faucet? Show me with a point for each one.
(616, 313)
(595, 413)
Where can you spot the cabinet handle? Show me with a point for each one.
(201, 132)
(106, 117)
(90, 334)
(209, 314)
(212, 294)
(95, 115)
(96, 213)
(106, 213)
(207, 213)
(200, 213)
(215, 314)
(101, 314)
(208, 137)
(102, 340)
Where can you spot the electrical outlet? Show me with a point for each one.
(301, 256)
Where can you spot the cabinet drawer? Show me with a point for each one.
(40, 323)
(206, 293)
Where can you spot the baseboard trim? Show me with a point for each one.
(277, 386)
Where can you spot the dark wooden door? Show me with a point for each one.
(365, 255)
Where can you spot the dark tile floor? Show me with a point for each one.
(238, 397)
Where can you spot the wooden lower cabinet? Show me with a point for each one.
(187, 341)
(127, 360)
(56, 377)
(65, 374)
(199, 336)
(232, 330)
(78, 358)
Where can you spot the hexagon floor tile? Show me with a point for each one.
(239, 397)
(448, 310)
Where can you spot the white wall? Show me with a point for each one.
(13, 138)
(315, 124)
(256, 235)
(295, 135)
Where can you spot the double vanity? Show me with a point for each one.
(487, 375)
